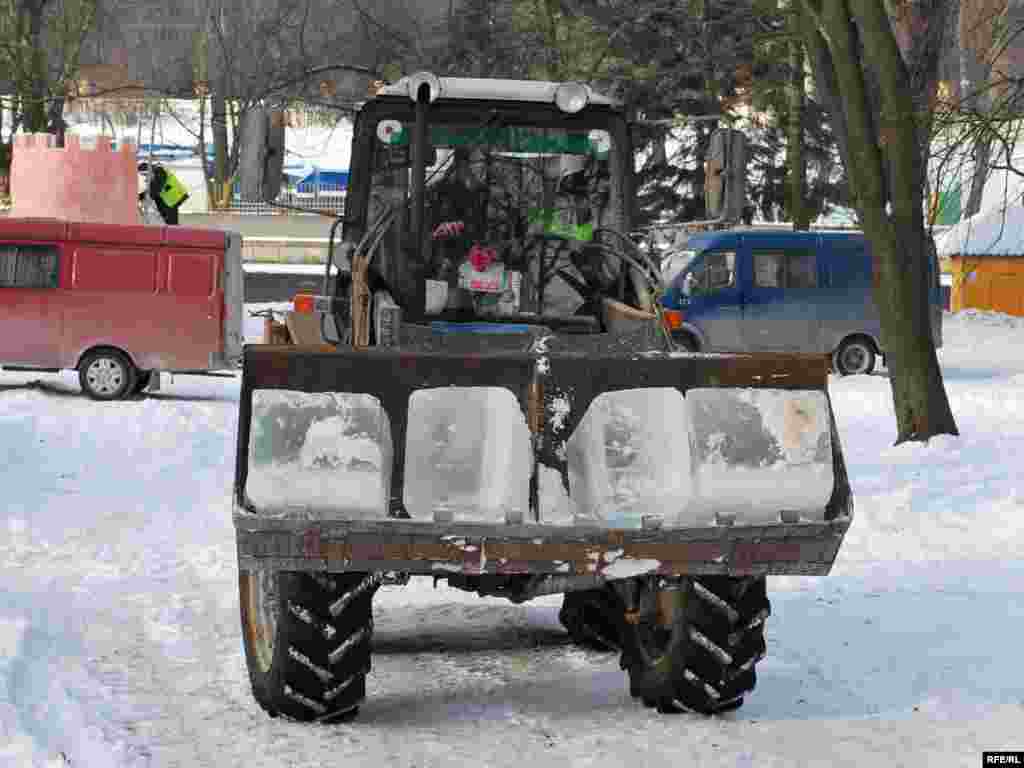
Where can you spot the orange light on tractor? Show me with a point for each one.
(673, 319)
(304, 303)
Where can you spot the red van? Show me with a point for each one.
(118, 302)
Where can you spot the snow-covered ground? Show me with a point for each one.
(314, 146)
(119, 629)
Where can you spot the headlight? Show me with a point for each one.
(572, 97)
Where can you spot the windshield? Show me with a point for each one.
(674, 263)
(713, 272)
(502, 198)
(502, 182)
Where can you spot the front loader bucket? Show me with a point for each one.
(542, 455)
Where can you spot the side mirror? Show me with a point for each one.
(262, 155)
(725, 175)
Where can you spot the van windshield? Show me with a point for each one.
(503, 181)
(712, 272)
(502, 197)
(674, 263)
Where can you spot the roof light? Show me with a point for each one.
(572, 97)
(429, 79)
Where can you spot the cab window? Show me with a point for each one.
(716, 271)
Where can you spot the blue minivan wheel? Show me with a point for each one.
(856, 355)
(685, 342)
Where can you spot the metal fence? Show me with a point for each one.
(319, 199)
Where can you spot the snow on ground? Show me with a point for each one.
(119, 630)
(315, 146)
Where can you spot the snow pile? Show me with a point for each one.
(53, 712)
(953, 498)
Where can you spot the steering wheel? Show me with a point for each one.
(542, 242)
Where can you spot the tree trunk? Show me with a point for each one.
(219, 118)
(235, 122)
(35, 119)
(56, 122)
(5, 157)
(901, 294)
(207, 177)
(796, 161)
(981, 155)
(826, 88)
(977, 33)
(885, 162)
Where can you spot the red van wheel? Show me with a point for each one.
(106, 374)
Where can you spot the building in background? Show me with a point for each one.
(987, 256)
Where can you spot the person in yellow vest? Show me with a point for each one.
(167, 192)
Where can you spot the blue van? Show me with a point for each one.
(762, 291)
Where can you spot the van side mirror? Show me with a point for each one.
(261, 163)
(725, 175)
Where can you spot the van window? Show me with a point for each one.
(716, 270)
(768, 269)
(785, 269)
(801, 270)
(28, 266)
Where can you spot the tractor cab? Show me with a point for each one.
(504, 207)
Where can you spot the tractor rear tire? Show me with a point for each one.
(704, 661)
(589, 616)
(307, 641)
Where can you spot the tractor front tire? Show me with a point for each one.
(703, 659)
(307, 641)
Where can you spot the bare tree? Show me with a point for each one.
(978, 134)
(796, 161)
(41, 43)
(881, 105)
(314, 51)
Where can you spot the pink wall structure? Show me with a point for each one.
(74, 183)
